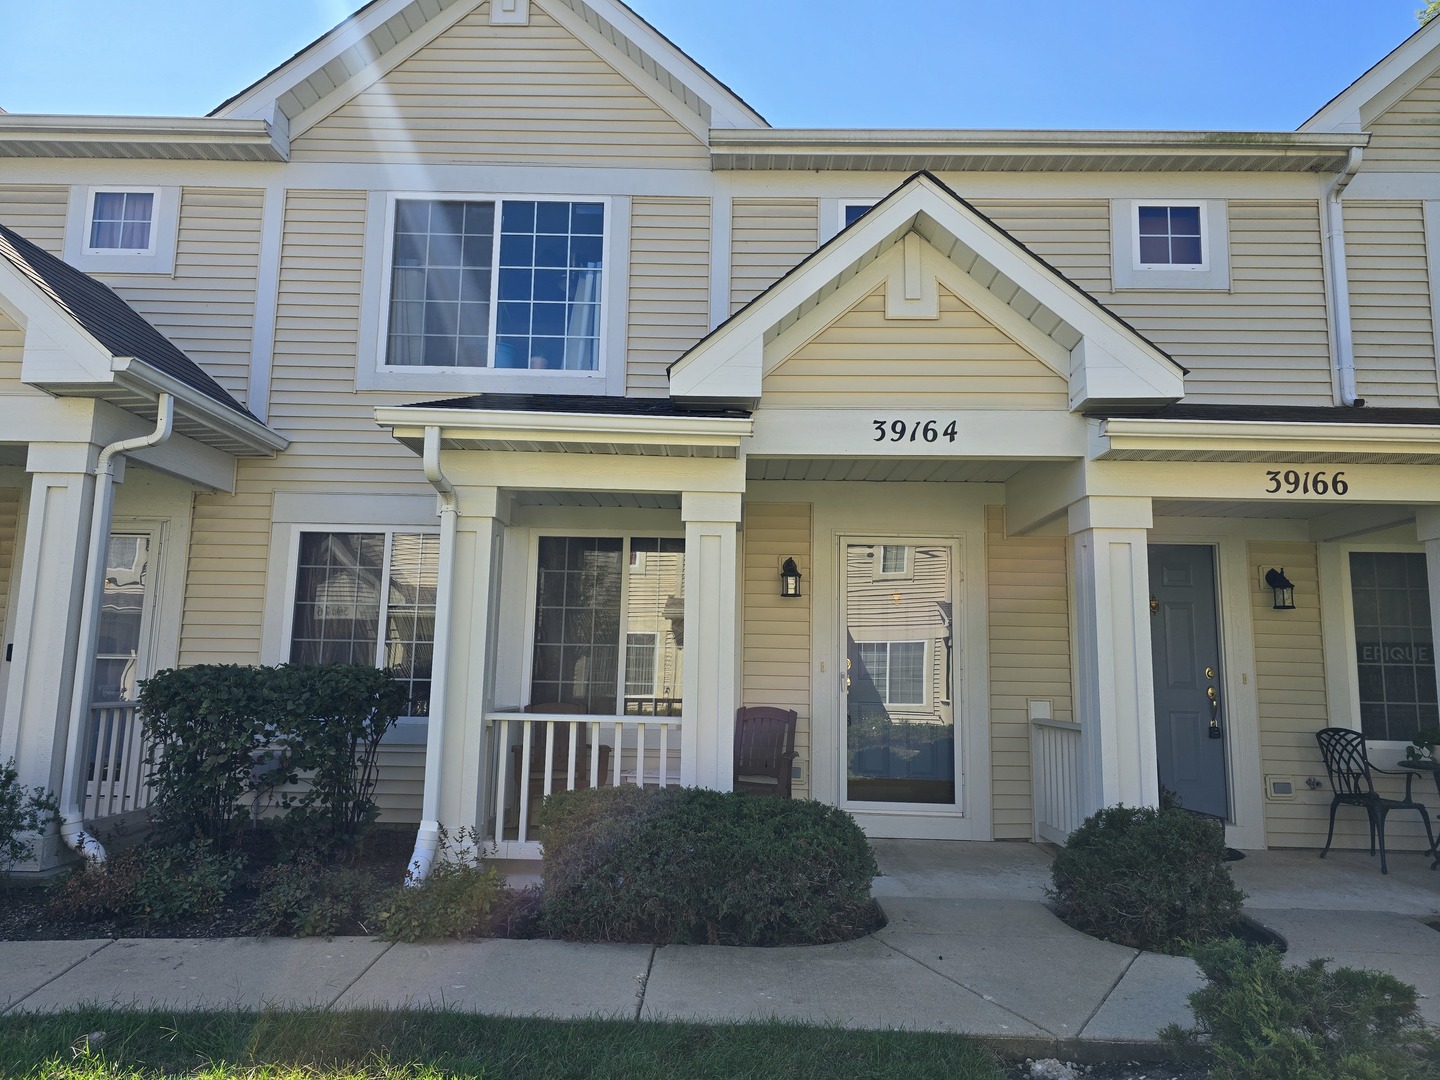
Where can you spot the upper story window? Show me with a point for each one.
(851, 212)
(120, 229)
(496, 283)
(1165, 243)
(122, 221)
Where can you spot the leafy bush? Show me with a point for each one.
(208, 725)
(306, 898)
(1149, 879)
(23, 810)
(1265, 1021)
(456, 899)
(676, 865)
(162, 884)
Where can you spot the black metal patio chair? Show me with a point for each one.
(1349, 769)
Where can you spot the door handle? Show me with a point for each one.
(1214, 711)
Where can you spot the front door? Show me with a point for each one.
(899, 681)
(1189, 712)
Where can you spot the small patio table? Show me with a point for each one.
(1421, 765)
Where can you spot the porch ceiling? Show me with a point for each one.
(883, 470)
(13, 453)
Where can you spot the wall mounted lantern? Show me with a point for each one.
(1284, 589)
(789, 579)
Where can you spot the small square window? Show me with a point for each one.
(122, 230)
(121, 221)
(1164, 243)
(1169, 236)
(851, 212)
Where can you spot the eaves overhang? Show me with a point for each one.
(866, 150)
(158, 138)
(1135, 439)
(569, 432)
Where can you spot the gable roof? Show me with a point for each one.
(1395, 75)
(1110, 360)
(379, 36)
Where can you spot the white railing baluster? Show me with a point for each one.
(523, 815)
(664, 755)
(640, 755)
(502, 763)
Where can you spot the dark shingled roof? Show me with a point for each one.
(578, 403)
(1279, 414)
(107, 318)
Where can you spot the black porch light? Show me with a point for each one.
(789, 579)
(1284, 589)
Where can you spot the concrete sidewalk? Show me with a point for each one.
(970, 947)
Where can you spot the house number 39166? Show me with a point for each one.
(913, 431)
(1294, 482)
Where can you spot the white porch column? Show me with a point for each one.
(1427, 528)
(48, 579)
(711, 631)
(1114, 678)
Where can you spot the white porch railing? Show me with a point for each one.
(1055, 779)
(582, 751)
(115, 772)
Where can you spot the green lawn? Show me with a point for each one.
(425, 1044)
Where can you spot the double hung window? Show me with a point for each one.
(495, 283)
(896, 669)
(1394, 644)
(368, 598)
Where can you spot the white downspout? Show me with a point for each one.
(427, 840)
(72, 821)
(1344, 345)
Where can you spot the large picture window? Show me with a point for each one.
(610, 624)
(368, 598)
(1394, 643)
(499, 283)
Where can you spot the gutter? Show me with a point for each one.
(72, 823)
(1342, 350)
(427, 839)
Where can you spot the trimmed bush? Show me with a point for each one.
(1149, 879)
(1264, 1021)
(456, 900)
(684, 865)
(159, 884)
(307, 898)
(23, 811)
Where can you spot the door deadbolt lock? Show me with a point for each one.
(1209, 673)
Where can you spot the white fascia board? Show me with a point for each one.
(1266, 439)
(255, 135)
(144, 379)
(57, 348)
(191, 461)
(727, 110)
(1390, 76)
(567, 427)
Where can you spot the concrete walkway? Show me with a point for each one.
(970, 947)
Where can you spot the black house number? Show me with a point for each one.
(913, 431)
(1295, 482)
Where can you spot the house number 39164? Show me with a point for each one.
(913, 431)
(1294, 482)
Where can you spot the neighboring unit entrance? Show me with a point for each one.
(898, 615)
(1189, 713)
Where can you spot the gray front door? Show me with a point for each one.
(1189, 713)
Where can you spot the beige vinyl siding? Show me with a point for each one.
(512, 94)
(1390, 303)
(12, 352)
(1029, 628)
(9, 525)
(400, 785)
(1406, 137)
(36, 212)
(775, 655)
(767, 238)
(225, 584)
(207, 306)
(1072, 235)
(959, 360)
(1266, 339)
(669, 287)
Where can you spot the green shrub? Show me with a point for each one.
(1265, 1021)
(208, 725)
(307, 898)
(676, 865)
(160, 884)
(456, 899)
(1149, 879)
(23, 811)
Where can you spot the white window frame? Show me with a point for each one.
(905, 573)
(1128, 272)
(925, 661)
(654, 646)
(157, 258)
(373, 373)
(846, 204)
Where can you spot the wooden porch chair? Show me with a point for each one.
(764, 750)
(559, 759)
(1350, 780)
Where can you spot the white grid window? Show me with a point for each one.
(639, 665)
(121, 221)
(897, 670)
(894, 559)
(1169, 236)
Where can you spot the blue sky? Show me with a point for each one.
(1216, 64)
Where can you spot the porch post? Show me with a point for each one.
(708, 736)
(1427, 528)
(1114, 679)
(49, 580)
